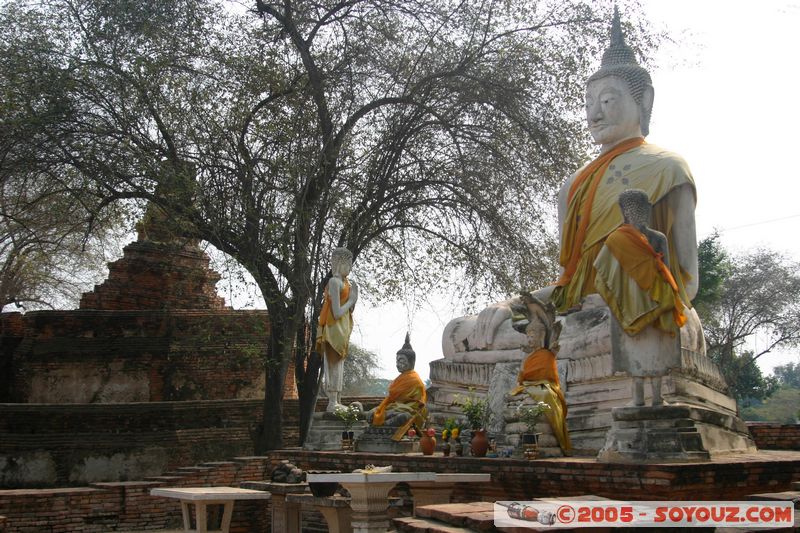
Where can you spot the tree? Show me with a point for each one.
(52, 228)
(746, 381)
(788, 375)
(759, 294)
(780, 407)
(428, 138)
(714, 268)
(360, 371)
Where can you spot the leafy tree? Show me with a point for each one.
(759, 294)
(714, 268)
(373, 387)
(780, 407)
(427, 137)
(788, 375)
(360, 370)
(746, 381)
(53, 228)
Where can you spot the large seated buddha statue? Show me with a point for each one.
(619, 101)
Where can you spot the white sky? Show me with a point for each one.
(726, 101)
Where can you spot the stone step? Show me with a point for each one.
(192, 469)
(475, 516)
(412, 524)
(785, 496)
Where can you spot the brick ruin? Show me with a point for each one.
(101, 387)
(154, 330)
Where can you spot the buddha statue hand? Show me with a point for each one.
(488, 322)
(490, 319)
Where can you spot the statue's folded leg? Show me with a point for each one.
(417, 418)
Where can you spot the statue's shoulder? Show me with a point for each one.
(663, 157)
(655, 160)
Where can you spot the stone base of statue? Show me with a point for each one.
(672, 433)
(585, 368)
(325, 433)
(379, 440)
(514, 429)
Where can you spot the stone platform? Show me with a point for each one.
(673, 433)
(379, 440)
(479, 516)
(586, 371)
(326, 430)
(730, 477)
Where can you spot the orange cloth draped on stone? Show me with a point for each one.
(539, 378)
(645, 266)
(332, 333)
(583, 190)
(408, 389)
(541, 366)
(326, 317)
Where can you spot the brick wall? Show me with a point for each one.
(103, 507)
(68, 445)
(138, 356)
(128, 506)
(727, 479)
(774, 436)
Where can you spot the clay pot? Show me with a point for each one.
(479, 443)
(459, 447)
(446, 448)
(427, 444)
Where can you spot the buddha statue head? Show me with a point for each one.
(341, 262)
(406, 357)
(636, 208)
(619, 96)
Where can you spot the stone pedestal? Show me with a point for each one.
(586, 370)
(370, 495)
(672, 433)
(379, 440)
(514, 429)
(325, 433)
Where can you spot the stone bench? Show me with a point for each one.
(202, 497)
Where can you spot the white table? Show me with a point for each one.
(202, 497)
(370, 495)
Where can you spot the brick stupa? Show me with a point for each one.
(157, 271)
(155, 330)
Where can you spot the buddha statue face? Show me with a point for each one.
(403, 363)
(611, 112)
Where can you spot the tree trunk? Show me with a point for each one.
(308, 391)
(271, 435)
(279, 353)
